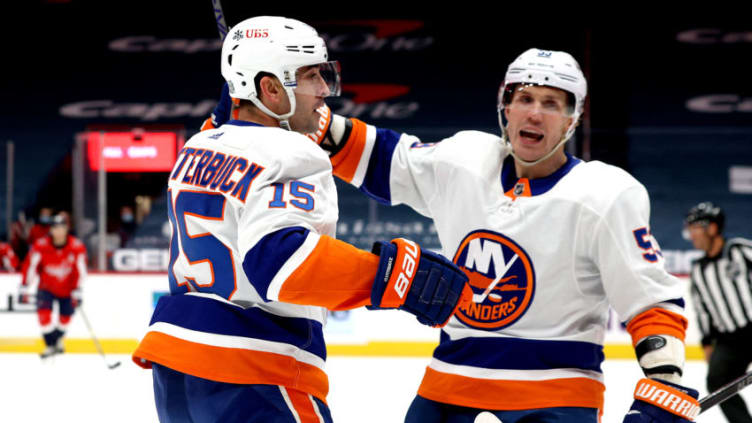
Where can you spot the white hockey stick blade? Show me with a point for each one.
(479, 298)
(486, 417)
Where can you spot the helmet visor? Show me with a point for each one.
(320, 80)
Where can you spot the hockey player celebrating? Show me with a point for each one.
(548, 241)
(55, 269)
(253, 261)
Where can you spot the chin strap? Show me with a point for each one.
(526, 163)
(284, 119)
(549, 154)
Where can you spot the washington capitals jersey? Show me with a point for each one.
(58, 270)
(253, 261)
(545, 258)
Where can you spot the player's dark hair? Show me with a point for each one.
(257, 84)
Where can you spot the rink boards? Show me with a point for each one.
(119, 307)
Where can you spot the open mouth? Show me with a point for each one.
(534, 136)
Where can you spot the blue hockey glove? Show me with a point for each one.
(657, 401)
(420, 282)
(221, 113)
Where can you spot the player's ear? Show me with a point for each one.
(270, 88)
(712, 229)
(567, 123)
(274, 95)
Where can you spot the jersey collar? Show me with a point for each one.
(242, 123)
(523, 187)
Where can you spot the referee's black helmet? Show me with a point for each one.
(706, 212)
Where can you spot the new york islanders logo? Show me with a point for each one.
(501, 276)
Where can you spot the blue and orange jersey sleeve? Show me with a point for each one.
(366, 160)
(390, 167)
(298, 266)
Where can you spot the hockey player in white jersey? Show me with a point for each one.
(548, 241)
(253, 259)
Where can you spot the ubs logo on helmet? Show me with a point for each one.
(501, 276)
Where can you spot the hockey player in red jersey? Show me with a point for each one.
(8, 258)
(55, 269)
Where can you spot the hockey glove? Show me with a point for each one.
(657, 401)
(222, 112)
(76, 298)
(333, 130)
(418, 281)
(23, 294)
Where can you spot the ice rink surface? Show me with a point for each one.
(79, 388)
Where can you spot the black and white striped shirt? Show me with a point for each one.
(722, 291)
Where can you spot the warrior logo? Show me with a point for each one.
(501, 276)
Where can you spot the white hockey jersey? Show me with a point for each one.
(545, 257)
(253, 211)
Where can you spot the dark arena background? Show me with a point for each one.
(86, 82)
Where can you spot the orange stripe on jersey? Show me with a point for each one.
(230, 365)
(303, 405)
(345, 163)
(335, 275)
(520, 189)
(657, 321)
(494, 394)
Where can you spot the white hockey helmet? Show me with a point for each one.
(555, 69)
(279, 46)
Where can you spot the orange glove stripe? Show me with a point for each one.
(325, 116)
(667, 398)
(207, 125)
(404, 268)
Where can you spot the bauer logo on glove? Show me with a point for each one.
(420, 282)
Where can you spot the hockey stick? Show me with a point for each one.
(711, 400)
(479, 298)
(726, 391)
(96, 341)
(219, 16)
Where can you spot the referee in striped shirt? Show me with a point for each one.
(722, 294)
